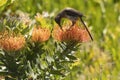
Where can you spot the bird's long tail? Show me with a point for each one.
(87, 29)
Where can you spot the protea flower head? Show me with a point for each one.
(40, 34)
(74, 33)
(11, 42)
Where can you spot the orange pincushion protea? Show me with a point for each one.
(74, 33)
(12, 43)
(40, 35)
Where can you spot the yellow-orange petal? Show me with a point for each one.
(11, 43)
(40, 35)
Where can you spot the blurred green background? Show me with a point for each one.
(98, 60)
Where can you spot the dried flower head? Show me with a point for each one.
(40, 35)
(24, 18)
(74, 33)
(11, 42)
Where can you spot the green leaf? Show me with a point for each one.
(71, 57)
(27, 29)
(3, 73)
(56, 72)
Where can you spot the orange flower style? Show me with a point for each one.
(74, 33)
(40, 35)
(12, 43)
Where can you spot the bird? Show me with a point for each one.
(72, 15)
(69, 13)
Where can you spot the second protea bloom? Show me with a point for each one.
(74, 33)
(40, 34)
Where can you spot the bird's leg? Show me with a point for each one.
(73, 22)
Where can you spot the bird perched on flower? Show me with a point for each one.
(69, 13)
(72, 15)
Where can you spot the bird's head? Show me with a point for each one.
(58, 20)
